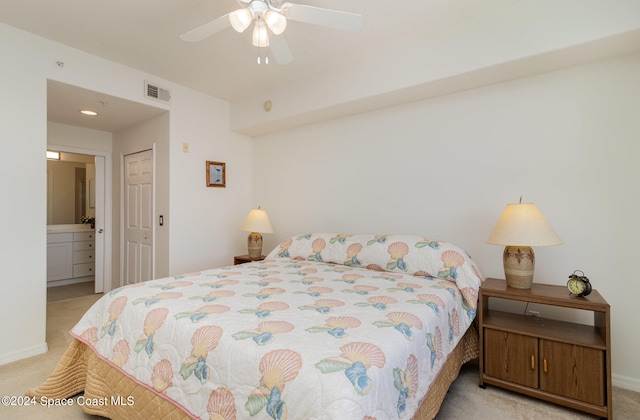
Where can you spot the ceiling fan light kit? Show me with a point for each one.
(265, 15)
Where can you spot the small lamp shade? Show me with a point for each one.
(256, 222)
(260, 36)
(275, 21)
(520, 227)
(241, 19)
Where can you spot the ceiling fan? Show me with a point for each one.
(271, 16)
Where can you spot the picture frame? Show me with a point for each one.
(216, 174)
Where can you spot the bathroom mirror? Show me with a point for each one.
(70, 188)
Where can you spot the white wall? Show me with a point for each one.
(79, 137)
(204, 221)
(207, 219)
(23, 246)
(446, 167)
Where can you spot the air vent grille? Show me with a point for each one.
(153, 91)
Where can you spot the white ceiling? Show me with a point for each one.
(144, 34)
(64, 103)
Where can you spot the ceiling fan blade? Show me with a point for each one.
(280, 50)
(206, 30)
(325, 17)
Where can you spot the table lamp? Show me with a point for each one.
(520, 227)
(257, 222)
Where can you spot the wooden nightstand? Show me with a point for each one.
(241, 259)
(562, 362)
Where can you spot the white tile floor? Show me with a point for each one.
(60, 293)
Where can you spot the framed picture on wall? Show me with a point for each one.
(216, 174)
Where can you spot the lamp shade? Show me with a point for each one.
(275, 21)
(523, 225)
(260, 36)
(241, 19)
(257, 221)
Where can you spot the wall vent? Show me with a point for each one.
(153, 91)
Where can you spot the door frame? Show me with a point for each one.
(106, 191)
(122, 209)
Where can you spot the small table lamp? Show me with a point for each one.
(256, 222)
(520, 227)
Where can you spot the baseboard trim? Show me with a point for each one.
(632, 384)
(77, 280)
(23, 354)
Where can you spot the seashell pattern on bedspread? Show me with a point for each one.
(297, 335)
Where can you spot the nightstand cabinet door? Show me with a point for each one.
(511, 357)
(574, 371)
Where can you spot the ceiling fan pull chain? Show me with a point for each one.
(266, 56)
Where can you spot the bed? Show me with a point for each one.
(328, 326)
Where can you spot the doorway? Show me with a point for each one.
(91, 257)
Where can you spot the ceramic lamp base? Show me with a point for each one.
(254, 242)
(519, 262)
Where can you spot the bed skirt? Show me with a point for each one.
(81, 370)
(466, 350)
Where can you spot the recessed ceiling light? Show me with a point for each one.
(88, 112)
(53, 155)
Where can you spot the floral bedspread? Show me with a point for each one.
(292, 336)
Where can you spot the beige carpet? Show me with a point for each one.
(70, 291)
(17, 377)
(465, 399)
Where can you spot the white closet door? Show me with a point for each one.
(138, 217)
